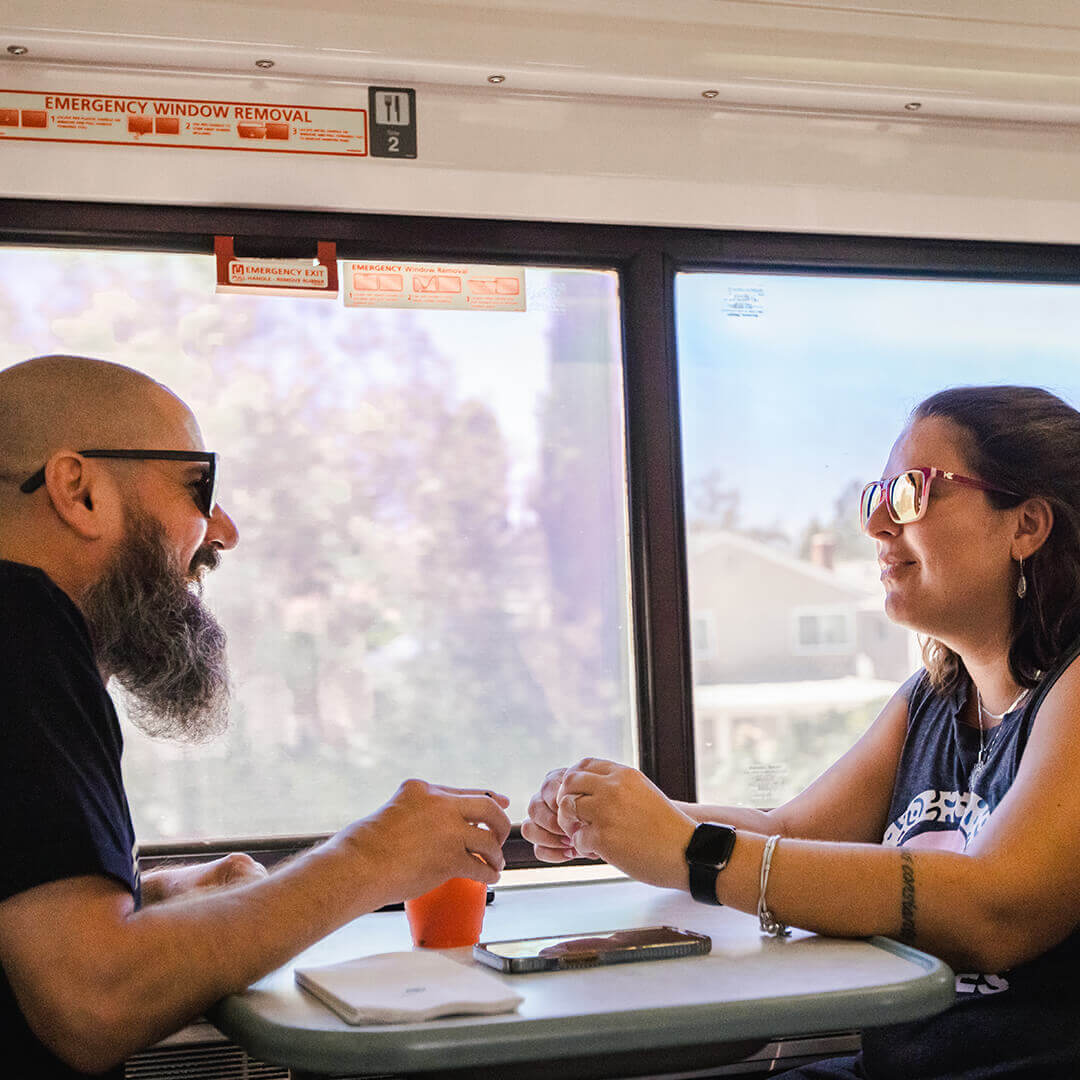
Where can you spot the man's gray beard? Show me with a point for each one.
(151, 630)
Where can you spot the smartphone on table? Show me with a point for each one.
(568, 951)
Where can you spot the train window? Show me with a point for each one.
(432, 576)
(814, 376)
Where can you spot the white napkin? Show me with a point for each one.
(399, 987)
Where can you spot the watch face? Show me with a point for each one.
(711, 845)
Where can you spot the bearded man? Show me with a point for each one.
(108, 521)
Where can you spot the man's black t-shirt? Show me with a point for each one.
(63, 811)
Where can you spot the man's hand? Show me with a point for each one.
(169, 882)
(541, 827)
(626, 819)
(427, 833)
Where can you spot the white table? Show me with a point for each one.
(746, 992)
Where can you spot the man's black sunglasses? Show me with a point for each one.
(203, 487)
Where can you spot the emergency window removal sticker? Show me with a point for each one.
(455, 287)
(116, 120)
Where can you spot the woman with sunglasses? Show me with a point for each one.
(954, 822)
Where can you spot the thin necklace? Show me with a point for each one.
(986, 747)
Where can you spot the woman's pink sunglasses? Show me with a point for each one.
(907, 494)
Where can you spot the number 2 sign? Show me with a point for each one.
(393, 121)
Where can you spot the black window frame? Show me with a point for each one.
(647, 260)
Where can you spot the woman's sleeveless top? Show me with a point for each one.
(1019, 1023)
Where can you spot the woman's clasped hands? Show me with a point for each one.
(600, 809)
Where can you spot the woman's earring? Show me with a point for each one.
(1021, 582)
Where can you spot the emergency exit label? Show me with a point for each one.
(190, 123)
(457, 287)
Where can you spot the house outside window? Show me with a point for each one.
(703, 635)
(829, 631)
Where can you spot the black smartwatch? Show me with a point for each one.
(707, 854)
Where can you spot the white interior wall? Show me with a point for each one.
(601, 116)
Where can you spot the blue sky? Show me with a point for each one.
(788, 379)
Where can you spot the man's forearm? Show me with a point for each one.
(224, 939)
(151, 971)
(97, 979)
(165, 883)
(156, 885)
(228, 871)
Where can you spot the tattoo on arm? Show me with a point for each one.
(907, 897)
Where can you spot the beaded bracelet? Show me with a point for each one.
(769, 924)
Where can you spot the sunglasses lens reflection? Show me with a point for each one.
(871, 497)
(906, 497)
(903, 494)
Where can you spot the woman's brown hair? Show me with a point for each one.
(1026, 440)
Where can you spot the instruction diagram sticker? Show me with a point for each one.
(182, 122)
(460, 287)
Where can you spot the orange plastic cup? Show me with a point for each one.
(449, 916)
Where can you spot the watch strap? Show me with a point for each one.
(703, 883)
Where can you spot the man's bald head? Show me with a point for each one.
(55, 403)
(127, 564)
(68, 402)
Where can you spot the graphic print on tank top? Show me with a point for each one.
(946, 821)
(934, 807)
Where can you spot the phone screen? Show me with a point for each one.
(584, 950)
